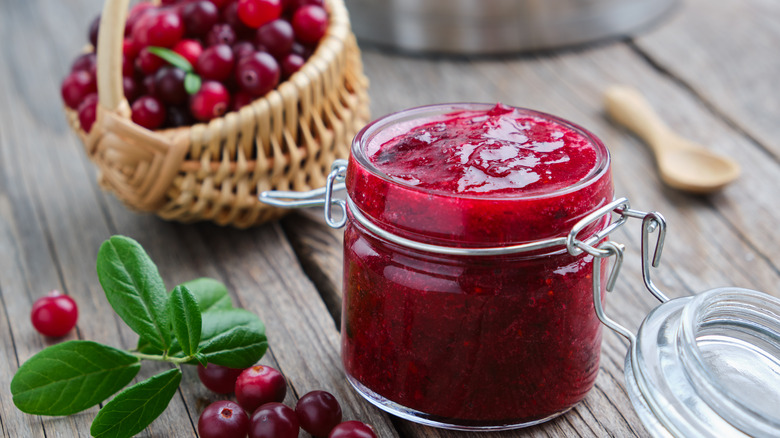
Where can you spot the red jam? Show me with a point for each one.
(471, 341)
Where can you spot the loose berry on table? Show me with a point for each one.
(273, 420)
(259, 385)
(54, 314)
(219, 379)
(352, 429)
(223, 419)
(318, 413)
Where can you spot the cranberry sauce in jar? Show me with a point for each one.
(466, 340)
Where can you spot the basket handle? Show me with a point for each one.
(109, 59)
(136, 164)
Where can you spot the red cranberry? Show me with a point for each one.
(54, 315)
(241, 99)
(163, 28)
(290, 6)
(94, 27)
(88, 112)
(148, 86)
(130, 88)
(219, 3)
(255, 13)
(318, 413)
(76, 87)
(176, 116)
(299, 49)
(274, 420)
(275, 37)
(221, 34)
(199, 17)
(85, 61)
(230, 16)
(169, 85)
(219, 379)
(148, 112)
(147, 62)
(223, 419)
(310, 23)
(216, 62)
(242, 49)
(210, 101)
(136, 12)
(352, 429)
(189, 49)
(257, 74)
(259, 385)
(291, 63)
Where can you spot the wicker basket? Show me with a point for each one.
(214, 171)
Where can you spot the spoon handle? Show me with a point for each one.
(627, 106)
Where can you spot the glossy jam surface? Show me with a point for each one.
(472, 341)
(497, 152)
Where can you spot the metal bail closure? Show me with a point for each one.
(322, 197)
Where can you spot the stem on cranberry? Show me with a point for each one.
(258, 385)
(223, 419)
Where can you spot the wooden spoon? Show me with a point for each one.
(682, 164)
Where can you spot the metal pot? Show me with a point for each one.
(497, 26)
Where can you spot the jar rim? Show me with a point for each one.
(372, 129)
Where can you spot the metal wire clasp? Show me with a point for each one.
(322, 197)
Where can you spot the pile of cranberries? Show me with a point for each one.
(260, 390)
(194, 60)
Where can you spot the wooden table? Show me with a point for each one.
(711, 68)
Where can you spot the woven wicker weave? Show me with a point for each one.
(286, 140)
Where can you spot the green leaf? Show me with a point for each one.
(145, 347)
(210, 293)
(185, 319)
(136, 407)
(239, 347)
(72, 376)
(218, 322)
(192, 83)
(171, 57)
(201, 359)
(135, 289)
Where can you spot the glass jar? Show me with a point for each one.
(446, 335)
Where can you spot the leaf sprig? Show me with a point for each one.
(192, 81)
(195, 323)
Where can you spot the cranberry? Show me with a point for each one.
(241, 99)
(291, 6)
(55, 314)
(255, 13)
(219, 379)
(76, 87)
(129, 48)
(130, 88)
(148, 62)
(85, 61)
(148, 112)
(88, 112)
(210, 101)
(310, 23)
(242, 49)
(219, 3)
(189, 49)
(221, 34)
(94, 27)
(199, 17)
(291, 63)
(299, 49)
(274, 420)
(258, 385)
(318, 413)
(176, 116)
(257, 74)
(163, 28)
(352, 429)
(275, 37)
(169, 85)
(136, 13)
(216, 62)
(148, 86)
(230, 16)
(223, 419)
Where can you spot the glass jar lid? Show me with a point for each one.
(708, 365)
